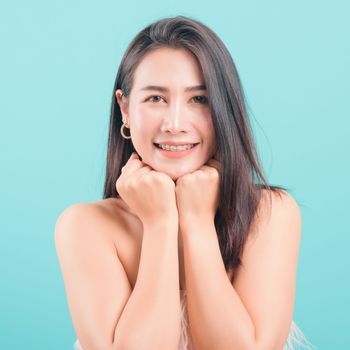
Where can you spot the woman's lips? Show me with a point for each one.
(175, 154)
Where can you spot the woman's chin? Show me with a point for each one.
(172, 172)
(176, 175)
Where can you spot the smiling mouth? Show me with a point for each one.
(158, 146)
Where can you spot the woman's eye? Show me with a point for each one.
(198, 99)
(151, 98)
(201, 100)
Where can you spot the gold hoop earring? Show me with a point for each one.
(122, 132)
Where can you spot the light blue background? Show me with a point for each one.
(58, 64)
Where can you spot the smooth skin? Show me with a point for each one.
(165, 205)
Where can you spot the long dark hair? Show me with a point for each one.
(242, 178)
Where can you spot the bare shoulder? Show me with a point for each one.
(269, 265)
(106, 224)
(281, 201)
(92, 270)
(83, 214)
(277, 209)
(90, 223)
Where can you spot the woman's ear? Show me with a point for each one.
(123, 105)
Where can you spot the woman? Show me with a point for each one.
(190, 247)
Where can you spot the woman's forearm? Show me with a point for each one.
(151, 317)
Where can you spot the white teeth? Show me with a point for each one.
(176, 148)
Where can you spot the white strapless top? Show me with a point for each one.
(295, 341)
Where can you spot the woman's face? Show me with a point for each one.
(161, 108)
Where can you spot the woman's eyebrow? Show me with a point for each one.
(165, 89)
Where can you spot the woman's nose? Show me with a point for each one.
(175, 119)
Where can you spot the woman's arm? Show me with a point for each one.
(106, 313)
(151, 318)
(255, 313)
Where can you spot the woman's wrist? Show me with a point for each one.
(168, 223)
(190, 224)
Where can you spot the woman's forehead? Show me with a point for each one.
(166, 67)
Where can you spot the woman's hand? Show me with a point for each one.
(197, 195)
(148, 193)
